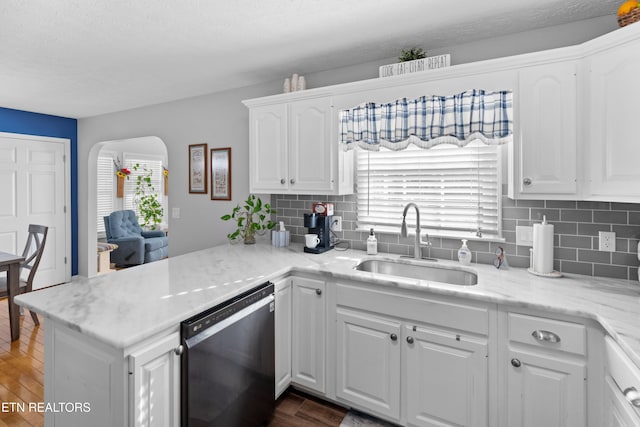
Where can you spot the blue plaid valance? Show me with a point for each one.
(429, 121)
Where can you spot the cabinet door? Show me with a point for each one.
(547, 138)
(309, 333)
(613, 149)
(446, 377)
(617, 411)
(368, 361)
(312, 158)
(155, 384)
(545, 391)
(283, 335)
(268, 149)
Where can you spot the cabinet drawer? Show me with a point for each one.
(449, 313)
(624, 372)
(547, 333)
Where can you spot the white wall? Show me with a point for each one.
(220, 120)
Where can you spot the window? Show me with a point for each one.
(105, 190)
(458, 190)
(150, 162)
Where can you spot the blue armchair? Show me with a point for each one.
(135, 246)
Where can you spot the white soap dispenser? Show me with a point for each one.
(464, 254)
(372, 243)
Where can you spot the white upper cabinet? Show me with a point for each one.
(613, 150)
(293, 148)
(268, 138)
(311, 146)
(545, 147)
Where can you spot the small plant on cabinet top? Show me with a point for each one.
(253, 217)
(146, 199)
(412, 54)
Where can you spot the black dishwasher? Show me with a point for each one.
(228, 362)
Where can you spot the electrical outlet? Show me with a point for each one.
(607, 241)
(524, 236)
(337, 223)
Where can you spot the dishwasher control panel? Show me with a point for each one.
(199, 322)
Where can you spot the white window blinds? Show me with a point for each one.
(457, 189)
(105, 190)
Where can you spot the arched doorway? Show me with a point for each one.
(149, 149)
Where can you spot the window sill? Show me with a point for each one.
(470, 236)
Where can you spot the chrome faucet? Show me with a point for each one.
(417, 253)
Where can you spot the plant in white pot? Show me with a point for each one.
(253, 217)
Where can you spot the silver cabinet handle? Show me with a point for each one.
(516, 363)
(633, 396)
(178, 350)
(526, 181)
(546, 336)
(293, 181)
(410, 340)
(318, 291)
(283, 181)
(393, 337)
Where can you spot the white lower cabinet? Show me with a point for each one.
(154, 383)
(617, 410)
(400, 358)
(368, 365)
(545, 391)
(309, 333)
(544, 370)
(446, 378)
(283, 322)
(622, 388)
(138, 386)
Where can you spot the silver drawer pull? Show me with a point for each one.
(545, 336)
(633, 396)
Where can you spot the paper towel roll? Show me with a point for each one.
(542, 247)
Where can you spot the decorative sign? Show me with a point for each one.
(198, 169)
(221, 174)
(424, 64)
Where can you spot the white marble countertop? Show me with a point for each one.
(125, 307)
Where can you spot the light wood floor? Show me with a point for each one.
(21, 369)
(22, 379)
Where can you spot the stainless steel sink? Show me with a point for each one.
(420, 271)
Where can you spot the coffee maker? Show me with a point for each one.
(320, 225)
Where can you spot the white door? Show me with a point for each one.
(547, 143)
(268, 149)
(613, 173)
(312, 149)
(155, 384)
(545, 390)
(368, 368)
(308, 335)
(283, 335)
(34, 189)
(446, 378)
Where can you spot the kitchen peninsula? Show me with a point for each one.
(99, 331)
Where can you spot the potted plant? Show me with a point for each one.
(253, 217)
(150, 209)
(412, 54)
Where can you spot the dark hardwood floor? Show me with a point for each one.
(22, 381)
(295, 409)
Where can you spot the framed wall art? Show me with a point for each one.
(221, 173)
(198, 169)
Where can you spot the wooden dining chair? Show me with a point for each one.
(32, 254)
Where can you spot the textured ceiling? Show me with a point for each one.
(80, 58)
